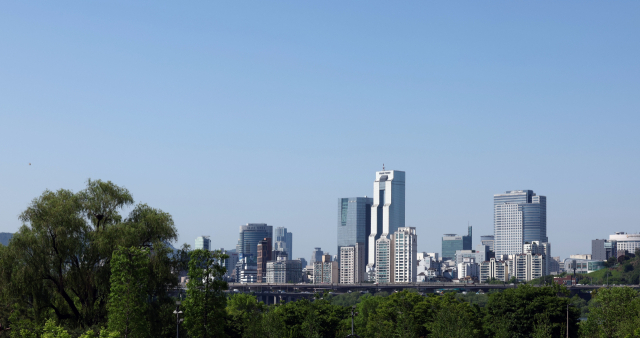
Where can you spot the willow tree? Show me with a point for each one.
(60, 260)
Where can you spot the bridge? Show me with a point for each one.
(274, 293)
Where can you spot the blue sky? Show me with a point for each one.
(227, 113)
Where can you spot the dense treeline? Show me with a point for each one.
(77, 268)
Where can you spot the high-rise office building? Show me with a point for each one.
(388, 209)
(203, 243)
(519, 216)
(264, 256)
(230, 263)
(352, 264)
(354, 223)
(316, 256)
(488, 241)
(603, 249)
(250, 235)
(283, 241)
(452, 243)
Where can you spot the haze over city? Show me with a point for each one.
(223, 114)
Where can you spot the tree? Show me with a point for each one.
(59, 262)
(455, 319)
(242, 310)
(128, 298)
(515, 311)
(613, 312)
(205, 304)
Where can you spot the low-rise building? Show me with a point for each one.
(326, 271)
(582, 265)
(468, 268)
(494, 269)
(284, 271)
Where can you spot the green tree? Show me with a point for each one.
(206, 302)
(242, 310)
(59, 262)
(515, 310)
(455, 319)
(613, 312)
(127, 305)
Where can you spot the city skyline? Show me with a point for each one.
(224, 114)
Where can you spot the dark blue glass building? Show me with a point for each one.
(354, 222)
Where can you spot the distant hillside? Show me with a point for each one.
(5, 237)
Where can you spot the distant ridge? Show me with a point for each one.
(5, 237)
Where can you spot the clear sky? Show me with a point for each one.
(223, 113)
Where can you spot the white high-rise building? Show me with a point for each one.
(387, 210)
(519, 216)
(384, 260)
(404, 245)
(352, 265)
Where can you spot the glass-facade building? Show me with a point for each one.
(354, 219)
(452, 243)
(250, 235)
(283, 241)
(487, 240)
(388, 208)
(203, 243)
(519, 216)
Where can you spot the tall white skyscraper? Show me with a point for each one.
(519, 216)
(387, 211)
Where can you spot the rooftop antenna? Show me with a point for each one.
(382, 166)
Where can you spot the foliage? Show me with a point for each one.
(58, 265)
(242, 309)
(127, 301)
(515, 310)
(613, 312)
(205, 304)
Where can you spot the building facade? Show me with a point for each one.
(384, 260)
(603, 249)
(468, 268)
(352, 264)
(404, 255)
(230, 263)
(326, 271)
(451, 243)
(354, 223)
(316, 256)
(250, 235)
(519, 216)
(625, 241)
(203, 243)
(283, 241)
(582, 265)
(388, 209)
(488, 241)
(284, 271)
(264, 256)
(494, 269)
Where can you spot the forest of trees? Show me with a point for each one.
(78, 268)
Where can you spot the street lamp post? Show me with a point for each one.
(178, 320)
(353, 314)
